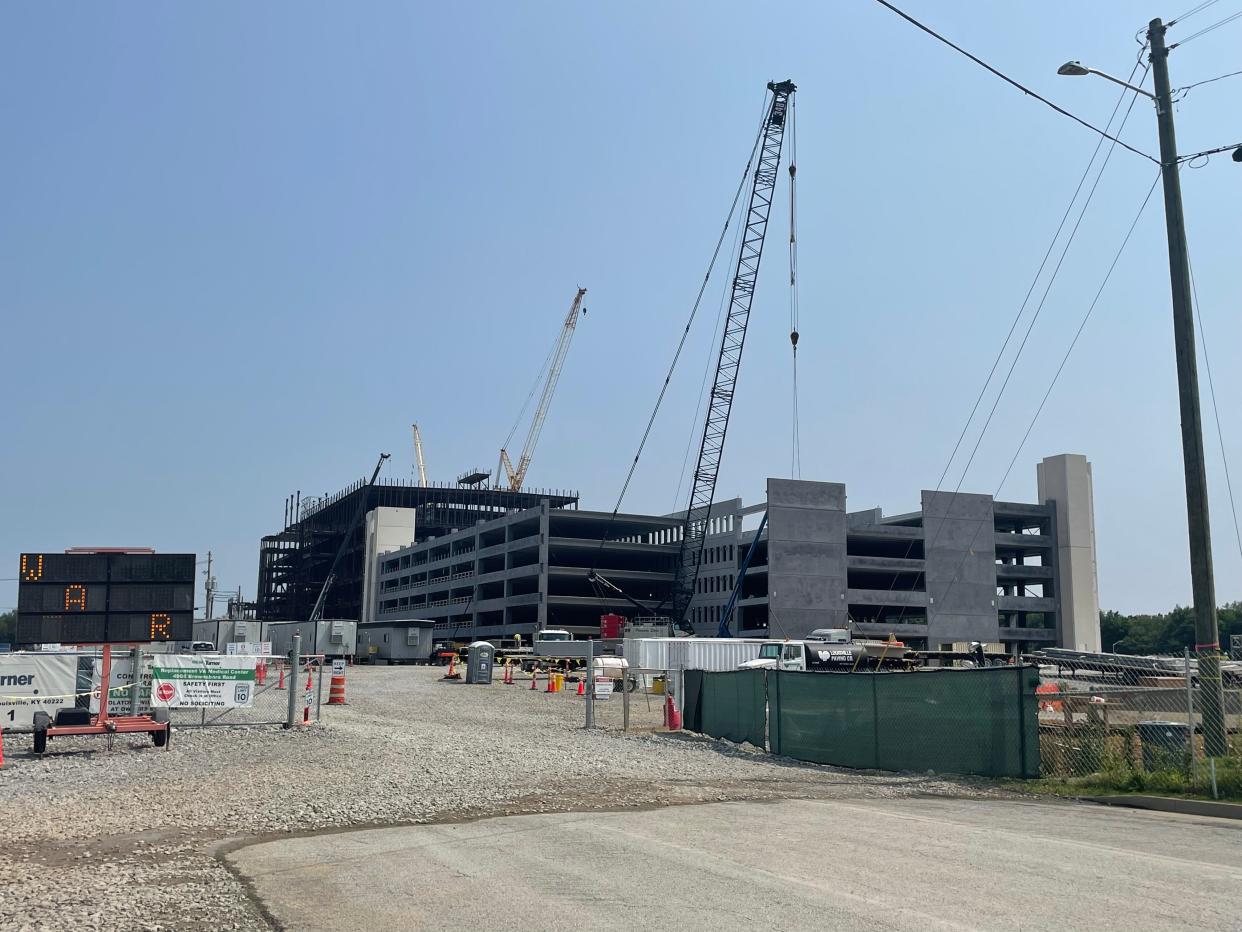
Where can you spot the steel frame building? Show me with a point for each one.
(293, 563)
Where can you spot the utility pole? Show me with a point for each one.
(209, 585)
(1207, 637)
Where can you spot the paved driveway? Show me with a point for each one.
(912, 864)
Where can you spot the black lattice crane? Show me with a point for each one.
(720, 402)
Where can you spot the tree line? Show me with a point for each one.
(1167, 633)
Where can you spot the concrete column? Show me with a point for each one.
(1065, 482)
(544, 533)
(387, 529)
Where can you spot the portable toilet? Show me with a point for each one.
(479, 657)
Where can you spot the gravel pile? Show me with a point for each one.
(98, 839)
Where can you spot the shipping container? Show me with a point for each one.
(714, 654)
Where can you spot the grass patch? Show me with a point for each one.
(1118, 775)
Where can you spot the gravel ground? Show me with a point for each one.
(128, 838)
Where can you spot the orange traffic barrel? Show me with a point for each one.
(336, 691)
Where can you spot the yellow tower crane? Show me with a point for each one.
(556, 359)
(418, 456)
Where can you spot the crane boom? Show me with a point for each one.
(720, 403)
(418, 455)
(517, 476)
(317, 611)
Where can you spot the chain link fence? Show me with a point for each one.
(269, 703)
(1170, 724)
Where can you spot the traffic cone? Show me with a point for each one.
(280, 684)
(581, 687)
(534, 678)
(452, 670)
(551, 682)
(672, 717)
(260, 673)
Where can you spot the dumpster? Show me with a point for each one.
(479, 657)
(1165, 744)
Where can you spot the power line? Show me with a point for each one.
(1074, 342)
(1209, 152)
(1207, 29)
(1047, 289)
(1055, 377)
(1191, 12)
(1221, 77)
(1004, 77)
(1026, 336)
(1026, 300)
(1207, 364)
(1034, 281)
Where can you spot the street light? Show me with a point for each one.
(1077, 69)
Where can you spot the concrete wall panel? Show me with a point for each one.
(958, 531)
(806, 557)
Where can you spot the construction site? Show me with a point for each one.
(488, 557)
(459, 697)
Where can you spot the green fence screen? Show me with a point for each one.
(828, 718)
(692, 700)
(726, 705)
(982, 721)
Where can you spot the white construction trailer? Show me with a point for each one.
(332, 637)
(224, 631)
(406, 641)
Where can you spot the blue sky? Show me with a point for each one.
(245, 245)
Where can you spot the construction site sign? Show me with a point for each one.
(202, 681)
(121, 678)
(31, 683)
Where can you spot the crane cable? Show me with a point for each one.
(685, 333)
(795, 467)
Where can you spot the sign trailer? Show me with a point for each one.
(104, 596)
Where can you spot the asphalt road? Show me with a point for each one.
(913, 864)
